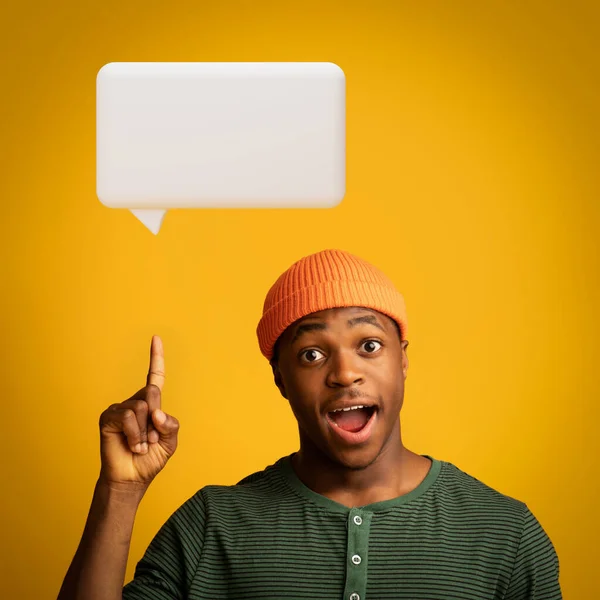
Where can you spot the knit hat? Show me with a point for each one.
(327, 279)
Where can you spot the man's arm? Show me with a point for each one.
(136, 440)
(98, 568)
(535, 574)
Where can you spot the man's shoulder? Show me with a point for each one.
(465, 491)
(264, 486)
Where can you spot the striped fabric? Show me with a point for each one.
(270, 536)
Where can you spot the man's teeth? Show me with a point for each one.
(347, 409)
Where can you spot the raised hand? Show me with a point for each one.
(136, 437)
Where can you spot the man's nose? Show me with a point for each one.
(345, 369)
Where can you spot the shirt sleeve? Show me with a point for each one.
(536, 569)
(167, 568)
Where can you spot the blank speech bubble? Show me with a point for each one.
(219, 135)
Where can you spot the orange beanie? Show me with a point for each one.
(327, 279)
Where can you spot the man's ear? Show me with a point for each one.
(278, 380)
(404, 346)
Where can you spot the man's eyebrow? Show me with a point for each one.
(305, 327)
(369, 319)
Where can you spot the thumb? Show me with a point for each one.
(165, 424)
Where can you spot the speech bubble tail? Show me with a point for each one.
(152, 219)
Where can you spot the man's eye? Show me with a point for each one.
(369, 346)
(310, 355)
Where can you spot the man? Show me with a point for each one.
(352, 515)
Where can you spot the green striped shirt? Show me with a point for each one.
(270, 536)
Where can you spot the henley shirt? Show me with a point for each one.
(270, 536)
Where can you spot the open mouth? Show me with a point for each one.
(352, 420)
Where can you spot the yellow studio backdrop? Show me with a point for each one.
(472, 181)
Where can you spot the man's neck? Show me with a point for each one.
(395, 472)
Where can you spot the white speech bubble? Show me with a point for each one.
(219, 135)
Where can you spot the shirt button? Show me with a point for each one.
(357, 520)
(356, 559)
(354, 597)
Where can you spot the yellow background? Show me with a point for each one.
(472, 181)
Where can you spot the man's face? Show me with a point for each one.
(344, 357)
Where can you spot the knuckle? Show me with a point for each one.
(108, 410)
(128, 414)
(140, 406)
(107, 415)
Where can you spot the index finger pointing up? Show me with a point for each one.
(156, 372)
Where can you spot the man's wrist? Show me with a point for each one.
(121, 493)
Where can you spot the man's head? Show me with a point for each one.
(334, 329)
